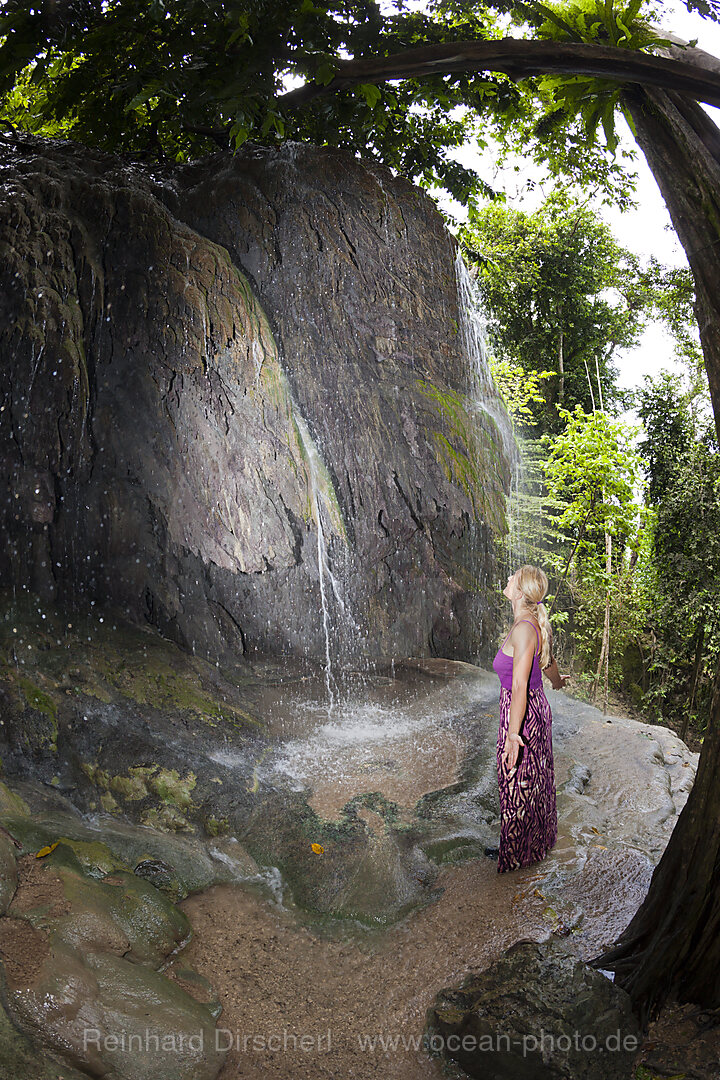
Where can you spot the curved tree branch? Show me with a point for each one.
(519, 59)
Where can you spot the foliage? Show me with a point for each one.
(557, 283)
(519, 389)
(683, 485)
(584, 104)
(172, 80)
(592, 471)
(593, 468)
(630, 602)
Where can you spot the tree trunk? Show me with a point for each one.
(696, 671)
(603, 662)
(590, 385)
(682, 147)
(608, 551)
(671, 948)
(561, 371)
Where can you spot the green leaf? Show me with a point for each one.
(145, 95)
(631, 11)
(326, 73)
(626, 35)
(371, 94)
(629, 118)
(608, 123)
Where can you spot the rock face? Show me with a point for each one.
(238, 403)
(538, 1013)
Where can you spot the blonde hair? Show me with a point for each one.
(533, 584)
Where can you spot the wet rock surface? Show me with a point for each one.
(128, 724)
(539, 1013)
(25, 1058)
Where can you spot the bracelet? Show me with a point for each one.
(512, 736)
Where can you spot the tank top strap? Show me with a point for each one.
(536, 631)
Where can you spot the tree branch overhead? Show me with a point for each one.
(519, 59)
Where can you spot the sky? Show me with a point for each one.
(646, 230)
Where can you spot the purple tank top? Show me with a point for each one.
(503, 665)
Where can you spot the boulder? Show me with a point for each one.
(537, 1013)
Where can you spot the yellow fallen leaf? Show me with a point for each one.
(46, 850)
(317, 848)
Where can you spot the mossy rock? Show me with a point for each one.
(10, 803)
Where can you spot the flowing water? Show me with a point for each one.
(473, 335)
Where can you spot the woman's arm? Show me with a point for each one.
(553, 674)
(524, 641)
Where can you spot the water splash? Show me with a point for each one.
(402, 740)
(517, 533)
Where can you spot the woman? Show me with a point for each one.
(525, 768)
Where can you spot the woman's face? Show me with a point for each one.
(511, 590)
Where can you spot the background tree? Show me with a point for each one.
(562, 295)
(683, 487)
(592, 471)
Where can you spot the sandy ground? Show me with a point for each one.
(279, 980)
(275, 977)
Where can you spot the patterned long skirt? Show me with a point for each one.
(528, 811)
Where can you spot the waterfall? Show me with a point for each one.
(473, 334)
(486, 398)
(517, 538)
(320, 486)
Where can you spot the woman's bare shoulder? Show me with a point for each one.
(523, 631)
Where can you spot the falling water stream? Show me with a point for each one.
(319, 482)
(487, 400)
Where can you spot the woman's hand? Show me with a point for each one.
(556, 679)
(510, 753)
